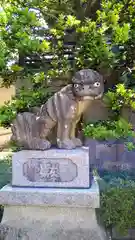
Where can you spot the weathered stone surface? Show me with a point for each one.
(35, 233)
(51, 214)
(50, 196)
(51, 168)
(12, 233)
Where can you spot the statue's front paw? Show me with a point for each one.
(66, 144)
(77, 142)
(40, 144)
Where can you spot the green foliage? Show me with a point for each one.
(104, 40)
(25, 101)
(94, 49)
(117, 208)
(116, 127)
(119, 98)
(117, 202)
(5, 175)
(109, 130)
(24, 31)
(5, 170)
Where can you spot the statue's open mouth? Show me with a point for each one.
(93, 98)
(88, 98)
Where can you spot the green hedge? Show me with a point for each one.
(117, 196)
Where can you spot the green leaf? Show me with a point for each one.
(45, 45)
(16, 68)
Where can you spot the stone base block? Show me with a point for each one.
(54, 168)
(35, 223)
(50, 214)
(50, 196)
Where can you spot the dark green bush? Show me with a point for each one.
(25, 101)
(118, 200)
(101, 33)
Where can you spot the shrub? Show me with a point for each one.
(118, 201)
(23, 102)
(59, 38)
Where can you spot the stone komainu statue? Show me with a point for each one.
(63, 109)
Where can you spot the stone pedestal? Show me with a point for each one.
(51, 197)
(50, 214)
(55, 168)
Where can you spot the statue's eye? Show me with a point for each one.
(96, 84)
(76, 85)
